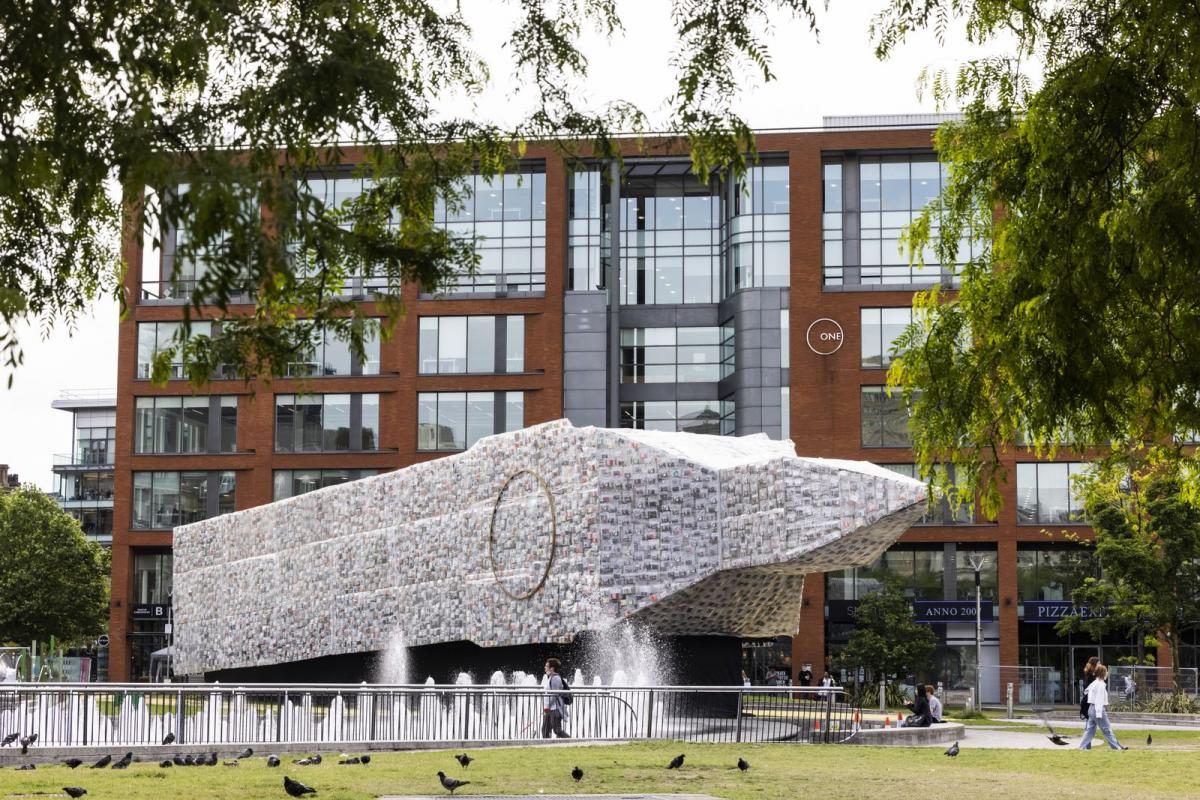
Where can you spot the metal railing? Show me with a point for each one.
(1133, 688)
(75, 714)
(1034, 688)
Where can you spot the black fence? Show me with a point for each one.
(68, 715)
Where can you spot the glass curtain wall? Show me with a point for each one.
(588, 225)
(759, 229)
(670, 236)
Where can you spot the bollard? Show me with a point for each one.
(1010, 701)
(887, 722)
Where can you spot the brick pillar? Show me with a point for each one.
(1006, 584)
(808, 645)
(118, 621)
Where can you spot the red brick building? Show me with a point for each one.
(637, 296)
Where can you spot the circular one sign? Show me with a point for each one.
(102, 641)
(824, 336)
(531, 525)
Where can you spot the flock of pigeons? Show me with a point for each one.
(293, 788)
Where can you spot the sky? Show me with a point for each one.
(834, 74)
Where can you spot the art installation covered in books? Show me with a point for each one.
(525, 545)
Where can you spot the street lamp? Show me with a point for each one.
(977, 564)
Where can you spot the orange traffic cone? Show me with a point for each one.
(887, 722)
(816, 726)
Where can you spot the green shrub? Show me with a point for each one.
(1175, 703)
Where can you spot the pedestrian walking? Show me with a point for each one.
(554, 705)
(1089, 670)
(1097, 697)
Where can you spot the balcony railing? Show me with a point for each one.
(86, 459)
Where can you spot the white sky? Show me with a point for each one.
(837, 75)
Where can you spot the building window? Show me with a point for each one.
(688, 416)
(1045, 494)
(880, 329)
(330, 355)
(964, 573)
(785, 412)
(183, 265)
(758, 233)
(728, 349)
(166, 499)
(335, 192)
(310, 423)
(884, 418)
(96, 523)
(831, 223)
(295, 482)
(204, 424)
(1052, 573)
(506, 215)
(449, 421)
(450, 345)
(919, 569)
(587, 250)
(785, 339)
(670, 235)
(86, 486)
(95, 437)
(154, 337)
(940, 511)
(670, 355)
(893, 191)
(152, 573)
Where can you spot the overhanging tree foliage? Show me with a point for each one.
(1080, 322)
(887, 643)
(204, 112)
(1147, 525)
(53, 581)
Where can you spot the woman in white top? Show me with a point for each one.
(1097, 697)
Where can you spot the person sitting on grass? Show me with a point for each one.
(920, 718)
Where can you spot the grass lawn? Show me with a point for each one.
(777, 771)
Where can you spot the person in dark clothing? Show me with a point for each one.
(1089, 675)
(921, 716)
(806, 675)
(554, 707)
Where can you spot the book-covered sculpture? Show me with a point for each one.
(530, 537)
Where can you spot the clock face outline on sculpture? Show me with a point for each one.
(492, 535)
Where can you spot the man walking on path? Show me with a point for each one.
(554, 707)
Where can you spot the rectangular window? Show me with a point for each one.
(152, 574)
(671, 355)
(756, 241)
(506, 218)
(331, 356)
(880, 329)
(185, 424)
(295, 482)
(785, 339)
(884, 418)
(940, 511)
(1052, 573)
(1045, 493)
(450, 421)
(155, 337)
(964, 573)
(692, 416)
(166, 499)
(785, 412)
(893, 191)
(588, 193)
(326, 422)
(457, 345)
(670, 235)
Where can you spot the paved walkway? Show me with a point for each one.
(999, 737)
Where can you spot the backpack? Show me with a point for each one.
(566, 696)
